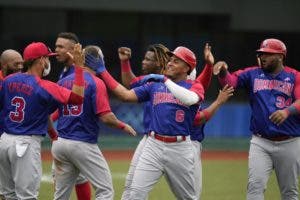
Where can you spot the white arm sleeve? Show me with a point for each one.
(186, 96)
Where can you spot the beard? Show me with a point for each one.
(271, 67)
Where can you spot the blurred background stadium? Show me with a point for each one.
(234, 28)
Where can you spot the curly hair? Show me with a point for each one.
(160, 52)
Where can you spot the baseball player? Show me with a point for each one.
(154, 61)
(168, 149)
(76, 150)
(203, 115)
(149, 66)
(26, 101)
(65, 43)
(11, 62)
(274, 92)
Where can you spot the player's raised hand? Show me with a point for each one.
(77, 55)
(128, 129)
(220, 66)
(279, 116)
(225, 94)
(124, 53)
(208, 56)
(97, 64)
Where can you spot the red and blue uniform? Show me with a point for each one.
(27, 101)
(169, 116)
(147, 105)
(67, 71)
(268, 94)
(81, 122)
(197, 131)
(1, 117)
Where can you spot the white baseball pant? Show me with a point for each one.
(20, 168)
(73, 157)
(174, 160)
(266, 155)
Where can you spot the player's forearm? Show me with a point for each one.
(78, 86)
(51, 131)
(112, 121)
(205, 77)
(127, 77)
(119, 90)
(205, 115)
(212, 109)
(226, 78)
(124, 94)
(55, 115)
(294, 109)
(126, 73)
(109, 81)
(186, 96)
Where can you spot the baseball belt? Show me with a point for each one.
(167, 139)
(275, 138)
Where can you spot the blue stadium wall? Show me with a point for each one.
(231, 120)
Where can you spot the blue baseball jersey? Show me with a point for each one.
(197, 131)
(1, 117)
(147, 105)
(169, 116)
(81, 122)
(67, 71)
(27, 101)
(267, 95)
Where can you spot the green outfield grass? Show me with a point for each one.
(222, 180)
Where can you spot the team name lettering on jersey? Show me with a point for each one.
(282, 86)
(162, 97)
(20, 87)
(69, 83)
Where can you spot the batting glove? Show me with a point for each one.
(96, 64)
(153, 78)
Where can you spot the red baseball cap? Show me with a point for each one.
(36, 50)
(186, 55)
(272, 45)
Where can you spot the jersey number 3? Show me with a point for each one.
(19, 104)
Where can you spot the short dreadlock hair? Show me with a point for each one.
(160, 53)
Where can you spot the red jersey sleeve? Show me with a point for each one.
(297, 86)
(205, 77)
(101, 101)
(198, 89)
(59, 93)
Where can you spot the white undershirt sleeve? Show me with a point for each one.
(186, 96)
